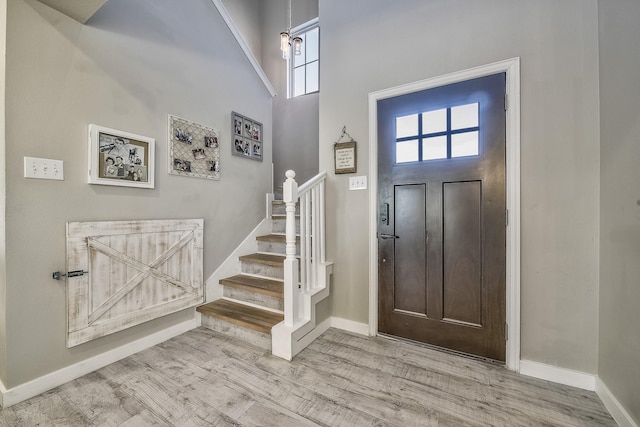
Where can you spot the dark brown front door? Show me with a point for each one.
(442, 212)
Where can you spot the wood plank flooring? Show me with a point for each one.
(202, 378)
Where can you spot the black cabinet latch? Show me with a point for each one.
(76, 273)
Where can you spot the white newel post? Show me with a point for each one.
(290, 196)
(306, 278)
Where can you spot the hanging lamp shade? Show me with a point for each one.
(286, 40)
(297, 45)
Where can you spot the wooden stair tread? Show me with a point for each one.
(278, 238)
(260, 285)
(283, 216)
(242, 315)
(274, 260)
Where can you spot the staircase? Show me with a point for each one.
(268, 297)
(253, 300)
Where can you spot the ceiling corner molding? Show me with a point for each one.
(81, 11)
(244, 46)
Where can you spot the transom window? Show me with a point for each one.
(304, 74)
(438, 134)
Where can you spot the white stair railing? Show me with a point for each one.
(312, 231)
(310, 196)
(306, 280)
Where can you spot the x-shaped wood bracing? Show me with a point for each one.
(144, 271)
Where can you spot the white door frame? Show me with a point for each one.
(512, 69)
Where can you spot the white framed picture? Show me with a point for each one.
(120, 158)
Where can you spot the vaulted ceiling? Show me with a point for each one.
(80, 10)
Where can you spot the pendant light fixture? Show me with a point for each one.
(286, 40)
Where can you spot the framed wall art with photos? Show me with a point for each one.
(194, 149)
(120, 158)
(246, 137)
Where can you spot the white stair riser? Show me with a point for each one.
(275, 247)
(247, 335)
(263, 270)
(267, 301)
(281, 209)
(279, 225)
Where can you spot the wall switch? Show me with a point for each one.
(43, 168)
(358, 182)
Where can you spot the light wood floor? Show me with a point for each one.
(202, 378)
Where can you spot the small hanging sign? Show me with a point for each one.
(344, 154)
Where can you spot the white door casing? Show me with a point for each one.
(512, 69)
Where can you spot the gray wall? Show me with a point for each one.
(247, 16)
(3, 272)
(295, 121)
(558, 46)
(620, 201)
(134, 63)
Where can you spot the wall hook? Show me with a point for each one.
(343, 134)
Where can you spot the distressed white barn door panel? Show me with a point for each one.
(137, 271)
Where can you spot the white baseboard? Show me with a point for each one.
(3, 391)
(558, 375)
(614, 407)
(350, 326)
(54, 379)
(581, 380)
(315, 333)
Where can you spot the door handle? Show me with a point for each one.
(388, 236)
